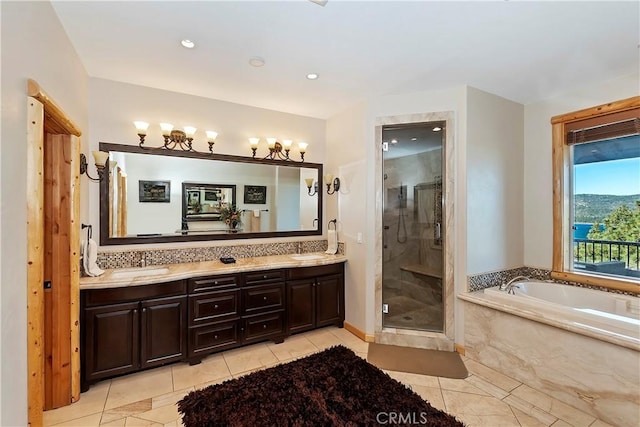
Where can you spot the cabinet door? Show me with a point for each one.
(301, 305)
(111, 340)
(163, 329)
(329, 300)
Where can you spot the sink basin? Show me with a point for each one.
(306, 257)
(137, 272)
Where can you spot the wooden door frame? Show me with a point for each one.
(44, 115)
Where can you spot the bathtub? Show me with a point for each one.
(577, 345)
(603, 313)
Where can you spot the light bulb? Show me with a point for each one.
(189, 131)
(100, 157)
(271, 142)
(211, 135)
(141, 127)
(302, 146)
(166, 128)
(286, 143)
(253, 142)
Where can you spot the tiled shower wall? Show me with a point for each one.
(486, 280)
(147, 257)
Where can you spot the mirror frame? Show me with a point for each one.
(106, 240)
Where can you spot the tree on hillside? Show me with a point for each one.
(623, 224)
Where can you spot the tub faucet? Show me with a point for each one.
(511, 284)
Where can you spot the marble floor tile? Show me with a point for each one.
(91, 402)
(561, 423)
(116, 423)
(137, 422)
(249, 358)
(293, 348)
(530, 410)
(460, 385)
(136, 387)
(527, 420)
(600, 423)
(162, 415)
(494, 377)
(323, 339)
(414, 379)
(433, 395)
(553, 406)
(170, 398)
(207, 384)
(127, 410)
(486, 386)
(88, 421)
(350, 340)
(185, 376)
(476, 410)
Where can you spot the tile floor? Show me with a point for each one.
(484, 398)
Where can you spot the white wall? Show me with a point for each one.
(495, 129)
(34, 45)
(538, 198)
(113, 107)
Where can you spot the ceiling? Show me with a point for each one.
(523, 51)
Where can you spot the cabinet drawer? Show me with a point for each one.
(316, 271)
(209, 338)
(261, 277)
(263, 298)
(212, 283)
(94, 297)
(264, 326)
(213, 306)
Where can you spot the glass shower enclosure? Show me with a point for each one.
(413, 226)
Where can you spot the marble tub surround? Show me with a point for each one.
(113, 278)
(494, 278)
(600, 378)
(109, 259)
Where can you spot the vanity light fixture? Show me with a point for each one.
(276, 149)
(330, 180)
(175, 138)
(100, 158)
(310, 183)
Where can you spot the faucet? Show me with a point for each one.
(299, 248)
(511, 284)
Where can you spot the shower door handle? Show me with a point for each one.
(384, 236)
(437, 233)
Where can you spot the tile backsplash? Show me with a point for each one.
(147, 257)
(486, 280)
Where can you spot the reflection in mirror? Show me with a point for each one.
(158, 195)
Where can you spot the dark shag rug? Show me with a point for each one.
(332, 388)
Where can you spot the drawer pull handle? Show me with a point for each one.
(215, 306)
(264, 326)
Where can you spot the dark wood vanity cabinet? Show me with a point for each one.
(128, 329)
(315, 297)
(131, 328)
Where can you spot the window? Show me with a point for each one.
(596, 195)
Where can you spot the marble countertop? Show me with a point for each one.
(115, 278)
(554, 319)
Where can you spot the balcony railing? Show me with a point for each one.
(595, 253)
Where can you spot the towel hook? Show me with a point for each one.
(335, 222)
(89, 231)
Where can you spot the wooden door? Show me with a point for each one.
(329, 304)
(301, 305)
(163, 329)
(111, 336)
(51, 138)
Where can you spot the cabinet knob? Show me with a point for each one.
(215, 282)
(264, 277)
(264, 326)
(264, 298)
(215, 306)
(215, 337)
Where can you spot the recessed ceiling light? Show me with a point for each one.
(256, 61)
(313, 76)
(188, 44)
(414, 139)
(437, 129)
(394, 141)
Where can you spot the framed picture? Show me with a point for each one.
(154, 191)
(255, 194)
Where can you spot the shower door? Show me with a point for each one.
(412, 227)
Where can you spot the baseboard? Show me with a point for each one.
(459, 348)
(357, 332)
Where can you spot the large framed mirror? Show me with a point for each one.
(156, 195)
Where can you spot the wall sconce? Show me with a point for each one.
(328, 180)
(175, 138)
(100, 158)
(276, 148)
(310, 184)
